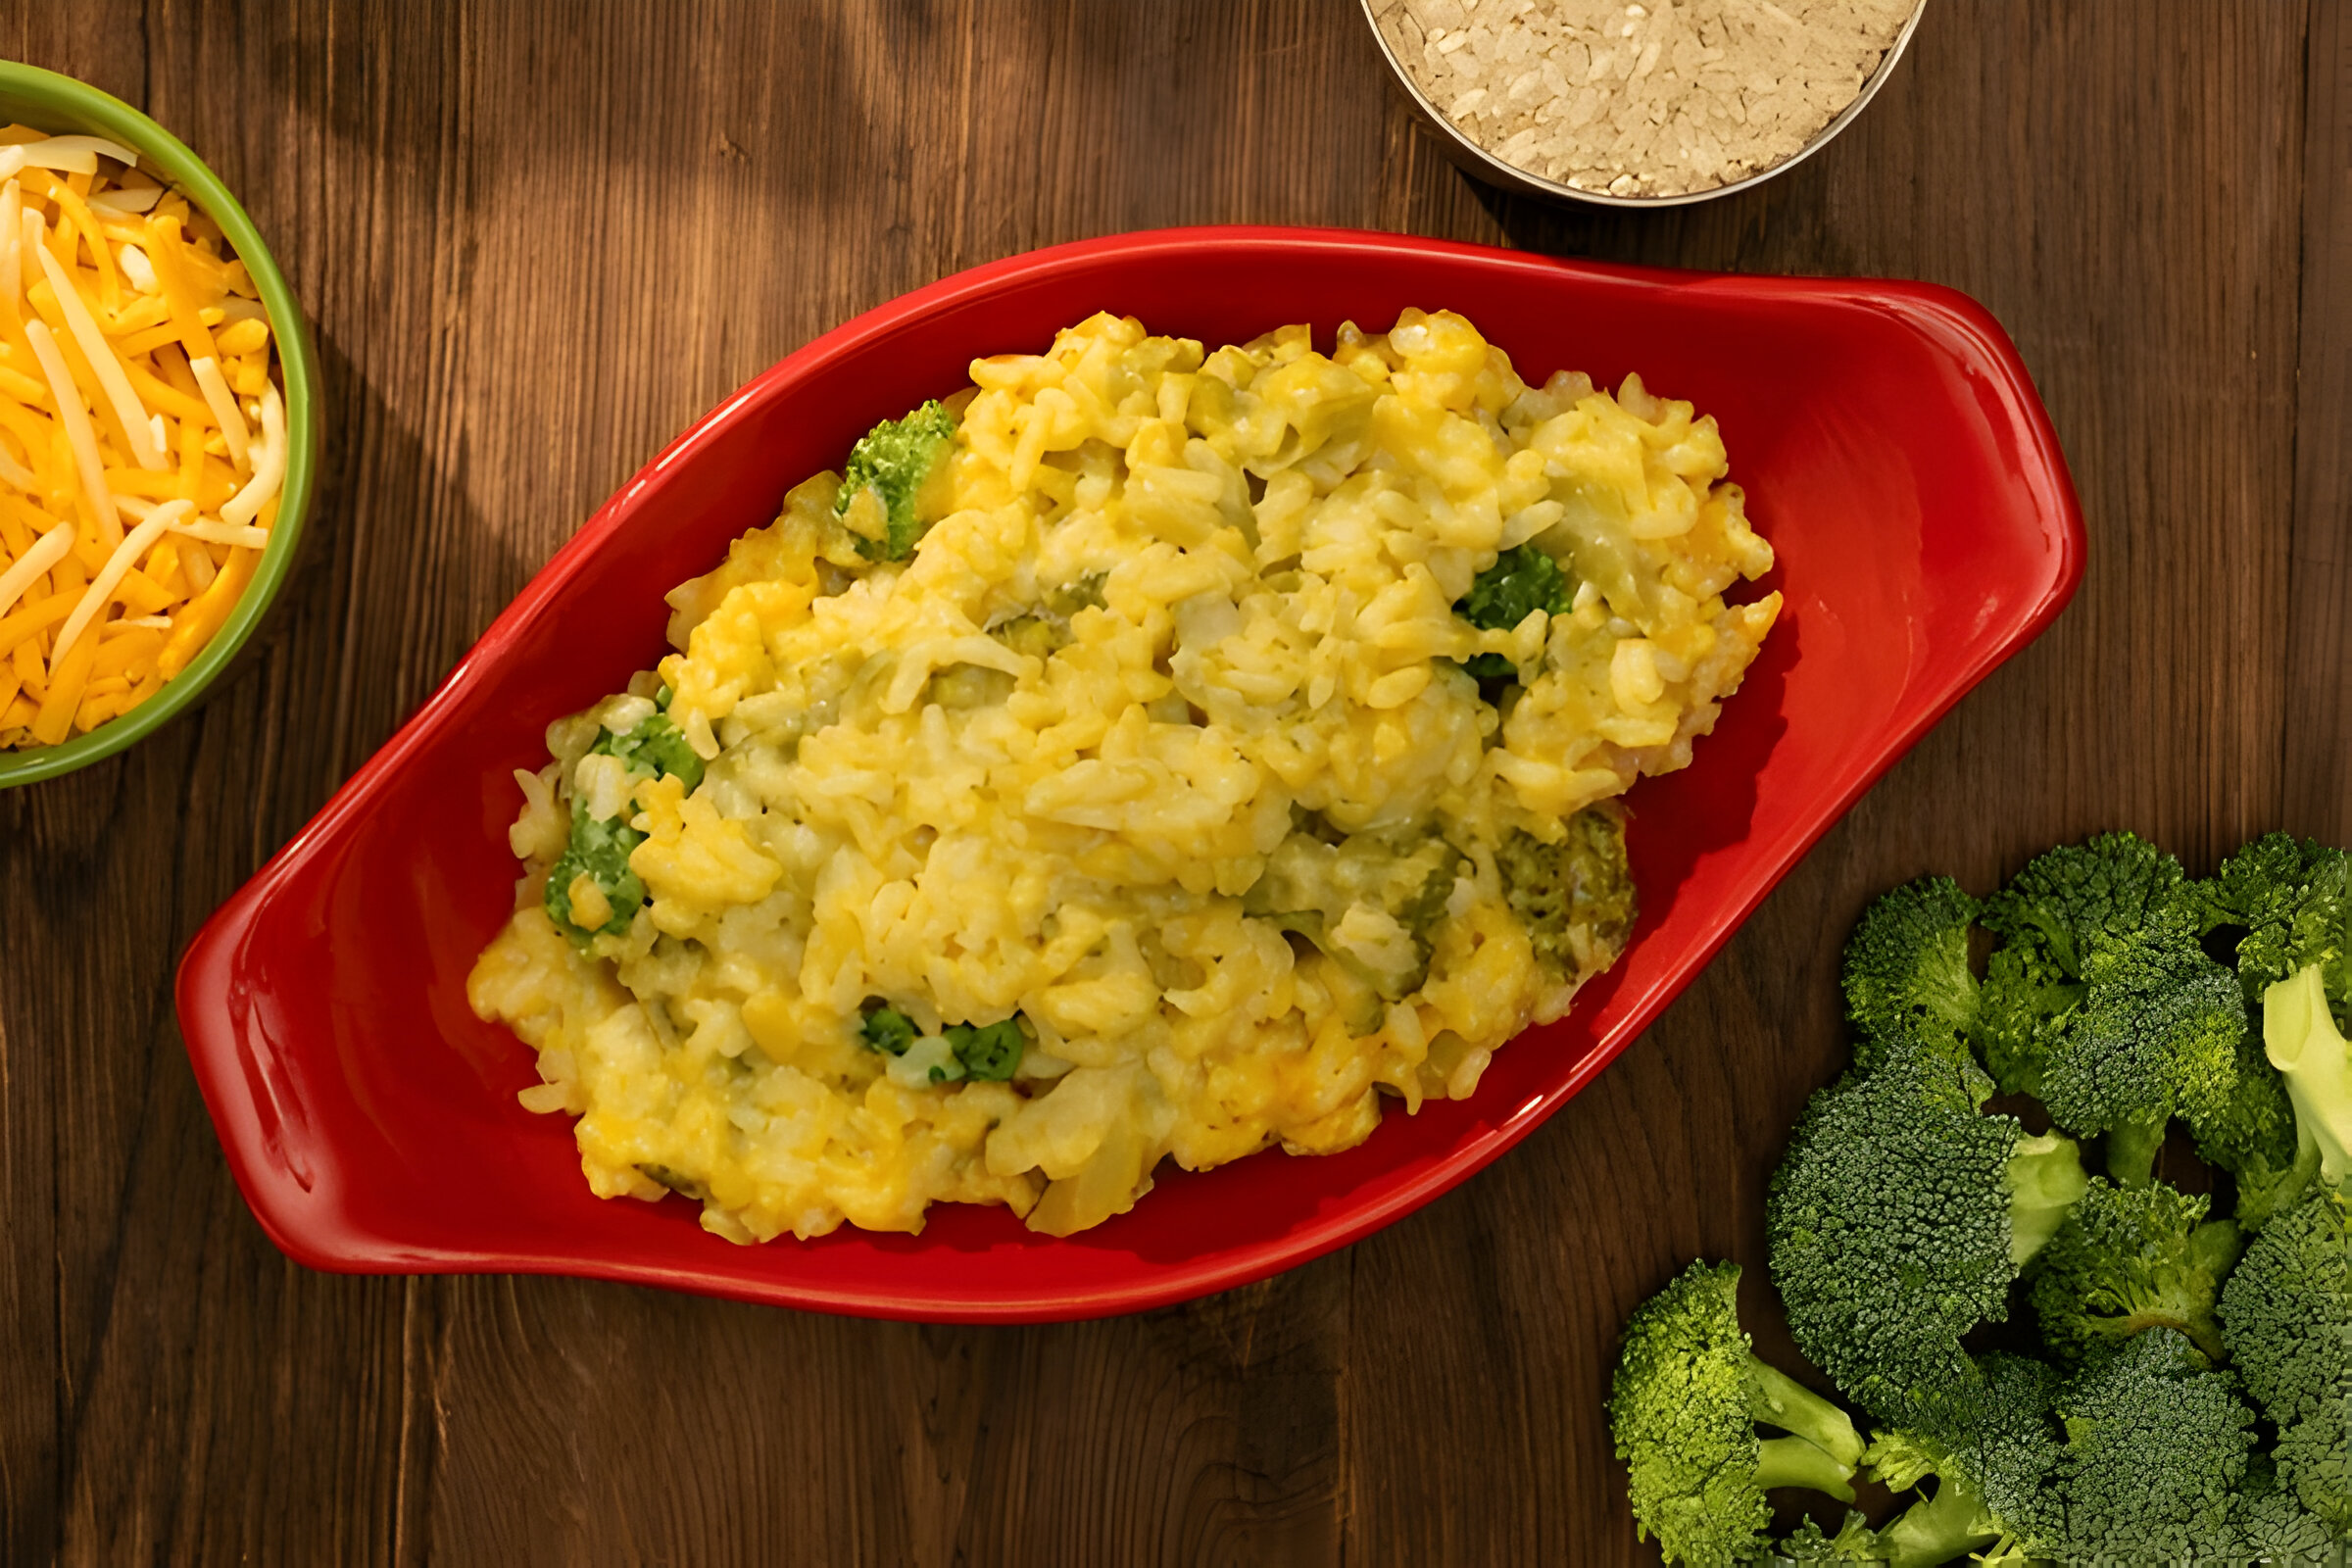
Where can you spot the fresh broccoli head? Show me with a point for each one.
(1684, 1407)
(2101, 1001)
(2044, 919)
(2286, 1315)
(1898, 1221)
(1990, 1477)
(599, 850)
(1574, 898)
(1372, 902)
(655, 748)
(902, 463)
(1906, 973)
(2269, 1524)
(2284, 904)
(2155, 1446)
(2130, 1259)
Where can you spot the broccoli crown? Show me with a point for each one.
(2253, 1136)
(1854, 1541)
(2130, 1259)
(2045, 918)
(600, 848)
(1581, 882)
(2269, 1523)
(1890, 1231)
(2291, 900)
(2061, 899)
(1905, 970)
(1991, 1478)
(2287, 1314)
(2102, 1001)
(1682, 1409)
(2155, 1444)
(1907, 965)
(896, 460)
(1310, 887)
(2157, 1033)
(1520, 582)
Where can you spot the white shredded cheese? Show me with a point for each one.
(46, 552)
(76, 155)
(101, 591)
(268, 471)
(76, 417)
(109, 370)
(226, 413)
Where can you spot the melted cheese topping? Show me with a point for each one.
(1179, 660)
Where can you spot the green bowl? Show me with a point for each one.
(47, 101)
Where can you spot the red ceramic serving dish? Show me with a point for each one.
(1893, 452)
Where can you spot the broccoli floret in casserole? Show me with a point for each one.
(1370, 902)
(2131, 1258)
(1897, 1221)
(989, 1053)
(1575, 898)
(886, 1029)
(655, 749)
(652, 747)
(1521, 581)
(600, 850)
(1684, 1407)
(900, 465)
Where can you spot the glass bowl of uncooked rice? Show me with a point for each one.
(1638, 103)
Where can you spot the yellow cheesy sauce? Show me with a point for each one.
(1144, 754)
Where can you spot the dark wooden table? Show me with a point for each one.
(539, 240)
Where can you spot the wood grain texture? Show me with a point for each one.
(537, 244)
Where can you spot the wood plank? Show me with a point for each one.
(2317, 773)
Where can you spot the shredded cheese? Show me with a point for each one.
(135, 393)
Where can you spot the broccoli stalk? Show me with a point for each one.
(2287, 1311)
(1683, 1407)
(2302, 1042)
(1897, 1221)
(902, 465)
(2131, 1258)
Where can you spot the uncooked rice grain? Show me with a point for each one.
(1652, 98)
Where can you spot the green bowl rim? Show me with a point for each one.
(91, 111)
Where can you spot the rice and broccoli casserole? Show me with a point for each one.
(1145, 754)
